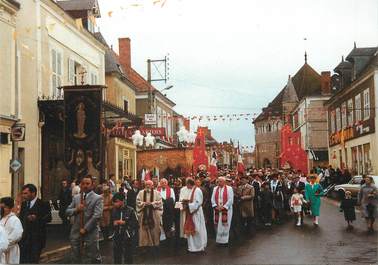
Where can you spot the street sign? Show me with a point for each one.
(150, 119)
(18, 132)
(15, 165)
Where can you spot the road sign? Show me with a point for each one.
(18, 132)
(15, 165)
(150, 119)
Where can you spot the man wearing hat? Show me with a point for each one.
(246, 194)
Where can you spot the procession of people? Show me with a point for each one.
(146, 213)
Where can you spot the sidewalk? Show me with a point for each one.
(57, 244)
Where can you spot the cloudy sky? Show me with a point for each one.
(232, 57)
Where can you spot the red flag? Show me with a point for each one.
(199, 151)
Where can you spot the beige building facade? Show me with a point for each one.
(9, 89)
(352, 119)
(54, 50)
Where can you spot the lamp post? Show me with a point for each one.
(166, 88)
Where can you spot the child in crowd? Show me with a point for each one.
(296, 203)
(125, 225)
(347, 206)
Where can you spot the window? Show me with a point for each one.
(360, 160)
(125, 105)
(366, 104)
(354, 161)
(169, 129)
(71, 71)
(56, 76)
(367, 161)
(357, 103)
(160, 118)
(300, 118)
(344, 115)
(350, 112)
(93, 79)
(164, 120)
(338, 120)
(332, 121)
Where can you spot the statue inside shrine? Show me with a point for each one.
(80, 119)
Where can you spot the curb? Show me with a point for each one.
(55, 255)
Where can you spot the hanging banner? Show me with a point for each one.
(82, 130)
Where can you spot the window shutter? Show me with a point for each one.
(53, 61)
(59, 63)
(71, 71)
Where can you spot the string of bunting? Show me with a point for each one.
(246, 116)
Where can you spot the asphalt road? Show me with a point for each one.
(329, 243)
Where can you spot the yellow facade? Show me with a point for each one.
(8, 101)
(118, 91)
(44, 29)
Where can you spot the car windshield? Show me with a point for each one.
(355, 180)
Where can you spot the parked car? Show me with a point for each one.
(354, 186)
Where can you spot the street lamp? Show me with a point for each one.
(167, 88)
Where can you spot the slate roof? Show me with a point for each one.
(112, 64)
(289, 93)
(343, 65)
(306, 83)
(365, 51)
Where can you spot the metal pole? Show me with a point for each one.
(150, 100)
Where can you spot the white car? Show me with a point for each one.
(353, 186)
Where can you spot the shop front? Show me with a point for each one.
(354, 148)
(121, 158)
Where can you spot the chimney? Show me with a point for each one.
(125, 53)
(325, 83)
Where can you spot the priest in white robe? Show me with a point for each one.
(222, 200)
(192, 220)
(13, 229)
(3, 241)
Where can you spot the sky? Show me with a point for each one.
(233, 57)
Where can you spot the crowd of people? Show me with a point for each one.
(174, 211)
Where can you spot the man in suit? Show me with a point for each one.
(34, 216)
(132, 194)
(256, 184)
(65, 198)
(86, 208)
(276, 188)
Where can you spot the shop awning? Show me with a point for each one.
(114, 114)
